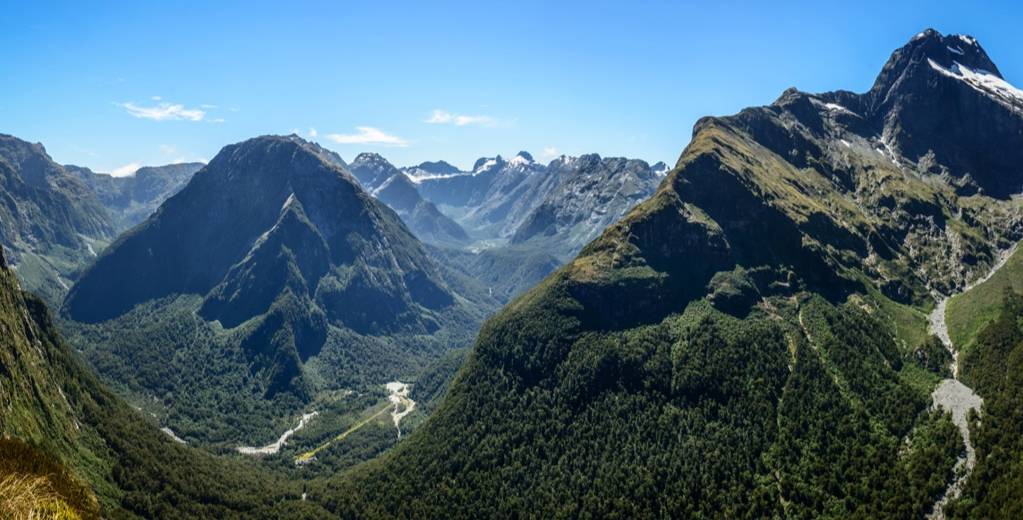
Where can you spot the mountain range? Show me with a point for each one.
(748, 341)
(395, 189)
(508, 224)
(557, 207)
(816, 313)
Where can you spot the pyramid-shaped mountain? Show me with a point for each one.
(282, 257)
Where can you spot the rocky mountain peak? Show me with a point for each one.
(522, 158)
(924, 55)
(960, 48)
(369, 157)
(372, 170)
(487, 163)
(437, 167)
(936, 97)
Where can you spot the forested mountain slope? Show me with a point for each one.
(96, 453)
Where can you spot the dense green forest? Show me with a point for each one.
(994, 368)
(712, 415)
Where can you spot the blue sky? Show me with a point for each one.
(112, 85)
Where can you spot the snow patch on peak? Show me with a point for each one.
(835, 107)
(955, 50)
(831, 107)
(968, 40)
(519, 160)
(485, 165)
(567, 160)
(417, 175)
(984, 82)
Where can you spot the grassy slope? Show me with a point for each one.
(969, 312)
(994, 368)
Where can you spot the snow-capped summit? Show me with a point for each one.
(487, 163)
(521, 159)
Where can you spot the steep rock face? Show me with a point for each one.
(749, 303)
(48, 218)
(456, 189)
(284, 249)
(419, 214)
(517, 186)
(129, 200)
(941, 103)
(591, 194)
(394, 188)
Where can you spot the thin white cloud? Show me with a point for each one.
(163, 111)
(550, 152)
(207, 106)
(168, 149)
(443, 117)
(368, 135)
(312, 133)
(126, 170)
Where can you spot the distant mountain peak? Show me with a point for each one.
(369, 157)
(371, 169)
(521, 159)
(487, 163)
(437, 167)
